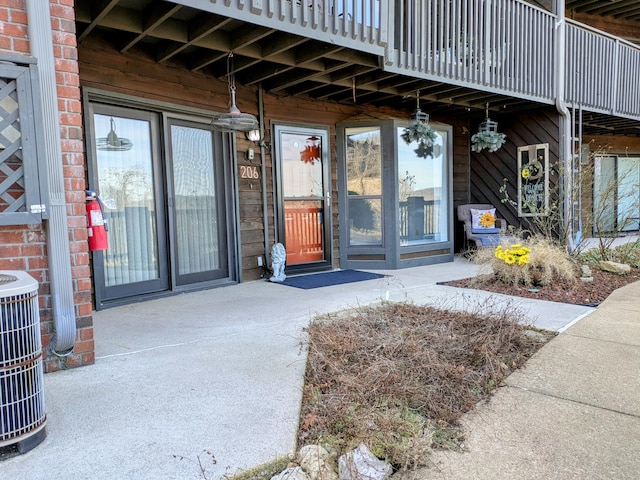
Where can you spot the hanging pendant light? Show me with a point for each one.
(234, 120)
(113, 142)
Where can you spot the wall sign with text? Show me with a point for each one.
(533, 180)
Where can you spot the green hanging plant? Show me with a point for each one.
(492, 141)
(488, 136)
(424, 134)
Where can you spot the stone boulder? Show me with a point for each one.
(614, 267)
(361, 464)
(317, 462)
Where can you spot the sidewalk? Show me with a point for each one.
(222, 371)
(573, 412)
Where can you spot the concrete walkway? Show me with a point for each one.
(222, 371)
(572, 413)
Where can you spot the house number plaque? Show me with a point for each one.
(249, 171)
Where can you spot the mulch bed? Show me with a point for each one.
(578, 293)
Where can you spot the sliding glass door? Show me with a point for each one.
(129, 184)
(161, 178)
(200, 227)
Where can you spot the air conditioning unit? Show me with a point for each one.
(22, 409)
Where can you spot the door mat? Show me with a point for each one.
(327, 279)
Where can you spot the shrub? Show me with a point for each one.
(628, 253)
(538, 261)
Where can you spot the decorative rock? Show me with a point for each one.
(585, 271)
(293, 473)
(317, 462)
(361, 464)
(614, 267)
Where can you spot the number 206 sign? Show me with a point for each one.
(249, 171)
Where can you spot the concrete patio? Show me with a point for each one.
(217, 370)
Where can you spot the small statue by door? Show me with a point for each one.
(278, 262)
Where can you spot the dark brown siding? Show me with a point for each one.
(488, 171)
(105, 69)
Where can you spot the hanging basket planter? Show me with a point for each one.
(420, 131)
(488, 136)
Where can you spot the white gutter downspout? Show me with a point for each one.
(60, 278)
(566, 152)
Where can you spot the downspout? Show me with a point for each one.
(565, 128)
(263, 174)
(59, 254)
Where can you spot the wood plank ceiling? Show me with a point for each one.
(283, 63)
(620, 9)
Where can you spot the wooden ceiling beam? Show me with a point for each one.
(197, 29)
(99, 10)
(154, 15)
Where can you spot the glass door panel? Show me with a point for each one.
(126, 173)
(302, 156)
(200, 246)
(364, 186)
(628, 193)
(422, 192)
(604, 194)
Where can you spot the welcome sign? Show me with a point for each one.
(533, 180)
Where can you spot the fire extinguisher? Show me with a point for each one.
(97, 225)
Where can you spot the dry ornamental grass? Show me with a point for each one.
(398, 377)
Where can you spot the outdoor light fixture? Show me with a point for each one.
(234, 119)
(253, 135)
(112, 142)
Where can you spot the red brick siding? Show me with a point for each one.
(24, 247)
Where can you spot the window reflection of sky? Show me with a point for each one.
(427, 172)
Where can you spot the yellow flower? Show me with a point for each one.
(526, 173)
(487, 220)
(514, 255)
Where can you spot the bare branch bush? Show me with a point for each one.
(398, 377)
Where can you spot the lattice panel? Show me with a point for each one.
(12, 190)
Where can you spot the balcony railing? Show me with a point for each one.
(358, 24)
(504, 46)
(602, 72)
(500, 46)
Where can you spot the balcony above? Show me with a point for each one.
(501, 52)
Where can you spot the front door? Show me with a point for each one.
(304, 205)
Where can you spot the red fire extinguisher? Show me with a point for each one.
(97, 225)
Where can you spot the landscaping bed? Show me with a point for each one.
(398, 377)
(576, 292)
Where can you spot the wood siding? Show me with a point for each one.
(139, 76)
(488, 171)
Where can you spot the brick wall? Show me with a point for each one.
(24, 247)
